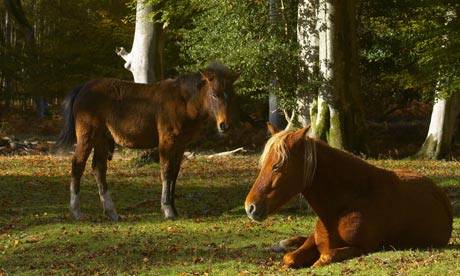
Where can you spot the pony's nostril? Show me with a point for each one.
(252, 209)
(223, 126)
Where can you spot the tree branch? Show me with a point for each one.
(124, 55)
(290, 119)
(226, 153)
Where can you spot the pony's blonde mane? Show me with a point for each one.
(278, 143)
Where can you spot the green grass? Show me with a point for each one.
(213, 236)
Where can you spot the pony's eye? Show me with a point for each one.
(214, 95)
(276, 167)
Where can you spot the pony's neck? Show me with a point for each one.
(197, 105)
(194, 96)
(338, 178)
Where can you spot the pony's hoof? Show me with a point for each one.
(170, 218)
(277, 249)
(170, 212)
(77, 215)
(113, 216)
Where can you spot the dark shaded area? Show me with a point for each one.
(398, 133)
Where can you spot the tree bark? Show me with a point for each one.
(326, 60)
(338, 109)
(307, 37)
(444, 118)
(275, 115)
(145, 61)
(7, 81)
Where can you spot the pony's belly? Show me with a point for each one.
(146, 139)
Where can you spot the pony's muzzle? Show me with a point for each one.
(223, 127)
(255, 213)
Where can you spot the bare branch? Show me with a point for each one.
(289, 119)
(226, 153)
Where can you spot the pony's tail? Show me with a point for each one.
(67, 137)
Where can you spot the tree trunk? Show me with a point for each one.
(145, 61)
(326, 60)
(275, 115)
(338, 110)
(444, 118)
(7, 81)
(307, 37)
(42, 107)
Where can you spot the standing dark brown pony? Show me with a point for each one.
(167, 114)
(360, 208)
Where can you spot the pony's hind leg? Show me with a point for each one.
(79, 159)
(99, 166)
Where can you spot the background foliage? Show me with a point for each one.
(407, 47)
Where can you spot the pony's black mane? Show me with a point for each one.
(193, 80)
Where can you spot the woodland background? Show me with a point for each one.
(408, 62)
(408, 58)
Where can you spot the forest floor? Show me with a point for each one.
(213, 236)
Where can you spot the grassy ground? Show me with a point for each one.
(212, 237)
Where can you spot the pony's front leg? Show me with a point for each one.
(171, 152)
(74, 206)
(338, 254)
(167, 202)
(305, 255)
(170, 165)
(78, 167)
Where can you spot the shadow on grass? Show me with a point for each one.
(452, 187)
(109, 254)
(37, 200)
(207, 192)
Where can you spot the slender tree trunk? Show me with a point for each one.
(275, 115)
(326, 60)
(145, 61)
(347, 81)
(307, 37)
(7, 81)
(444, 118)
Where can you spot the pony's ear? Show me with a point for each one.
(206, 75)
(273, 130)
(302, 133)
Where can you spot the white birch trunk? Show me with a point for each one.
(438, 141)
(275, 116)
(444, 118)
(145, 59)
(307, 37)
(326, 31)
